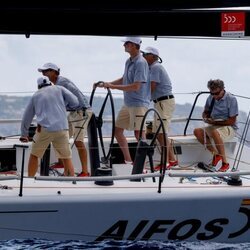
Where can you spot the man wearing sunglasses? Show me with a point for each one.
(220, 113)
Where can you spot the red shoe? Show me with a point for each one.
(224, 167)
(216, 159)
(158, 167)
(83, 174)
(57, 165)
(172, 164)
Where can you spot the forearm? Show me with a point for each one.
(116, 82)
(130, 87)
(228, 122)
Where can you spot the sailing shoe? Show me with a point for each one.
(158, 167)
(216, 159)
(172, 164)
(224, 167)
(83, 174)
(57, 165)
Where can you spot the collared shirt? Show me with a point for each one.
(49, 105)
(224, 108)
(159, 75)
(136, 70)
(66, 83)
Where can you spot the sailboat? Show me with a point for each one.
(122, 202)
(117, 201)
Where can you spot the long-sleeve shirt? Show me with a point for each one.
(66, 83)
(48, 104)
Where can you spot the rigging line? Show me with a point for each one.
(241, 144)
(245, 97)
(238, 135)
(245, 135)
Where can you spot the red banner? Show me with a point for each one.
(233, 24)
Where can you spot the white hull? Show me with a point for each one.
(184, 207)
(126, 210)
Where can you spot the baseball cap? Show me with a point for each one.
(49, 66)
(132, 39)
(153, 51)
(43, 80)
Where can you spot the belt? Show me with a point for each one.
(165, 97)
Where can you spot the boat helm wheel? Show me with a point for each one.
(99, 122)
(154, 138)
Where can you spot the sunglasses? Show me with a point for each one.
(146, 54)
(47, 70)
(215, 93)
(127, 43)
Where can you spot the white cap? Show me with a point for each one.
(49, 66)
(132, 39)
(151, 50)
(43, 80)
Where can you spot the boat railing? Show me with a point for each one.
(209, 174)
(192, 110)
(99, 178)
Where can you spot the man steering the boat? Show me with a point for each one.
(220, 113)
(136, 90)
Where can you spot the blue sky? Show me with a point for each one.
(87, 59)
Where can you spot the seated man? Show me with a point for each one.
(220, 112)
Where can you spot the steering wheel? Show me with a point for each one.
(153, 140)
(99, 121)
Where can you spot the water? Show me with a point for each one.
(112, 245)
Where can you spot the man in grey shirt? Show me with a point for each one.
(220, 113)
(49, 104)
(136, 90)
(163, 98)
(78, 119)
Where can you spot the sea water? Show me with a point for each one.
(112, 245)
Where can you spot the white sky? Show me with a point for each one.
(85, 60)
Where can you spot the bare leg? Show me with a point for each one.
(170, 152)
(82, 152)
(137, 134)
(122, 141)
(68, 167)
(219, 144)
(199, 134)
(33, 165)
(171, 155)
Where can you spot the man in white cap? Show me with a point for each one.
(162, 96)
(49, 105)
(78, 119)
(136, 89)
